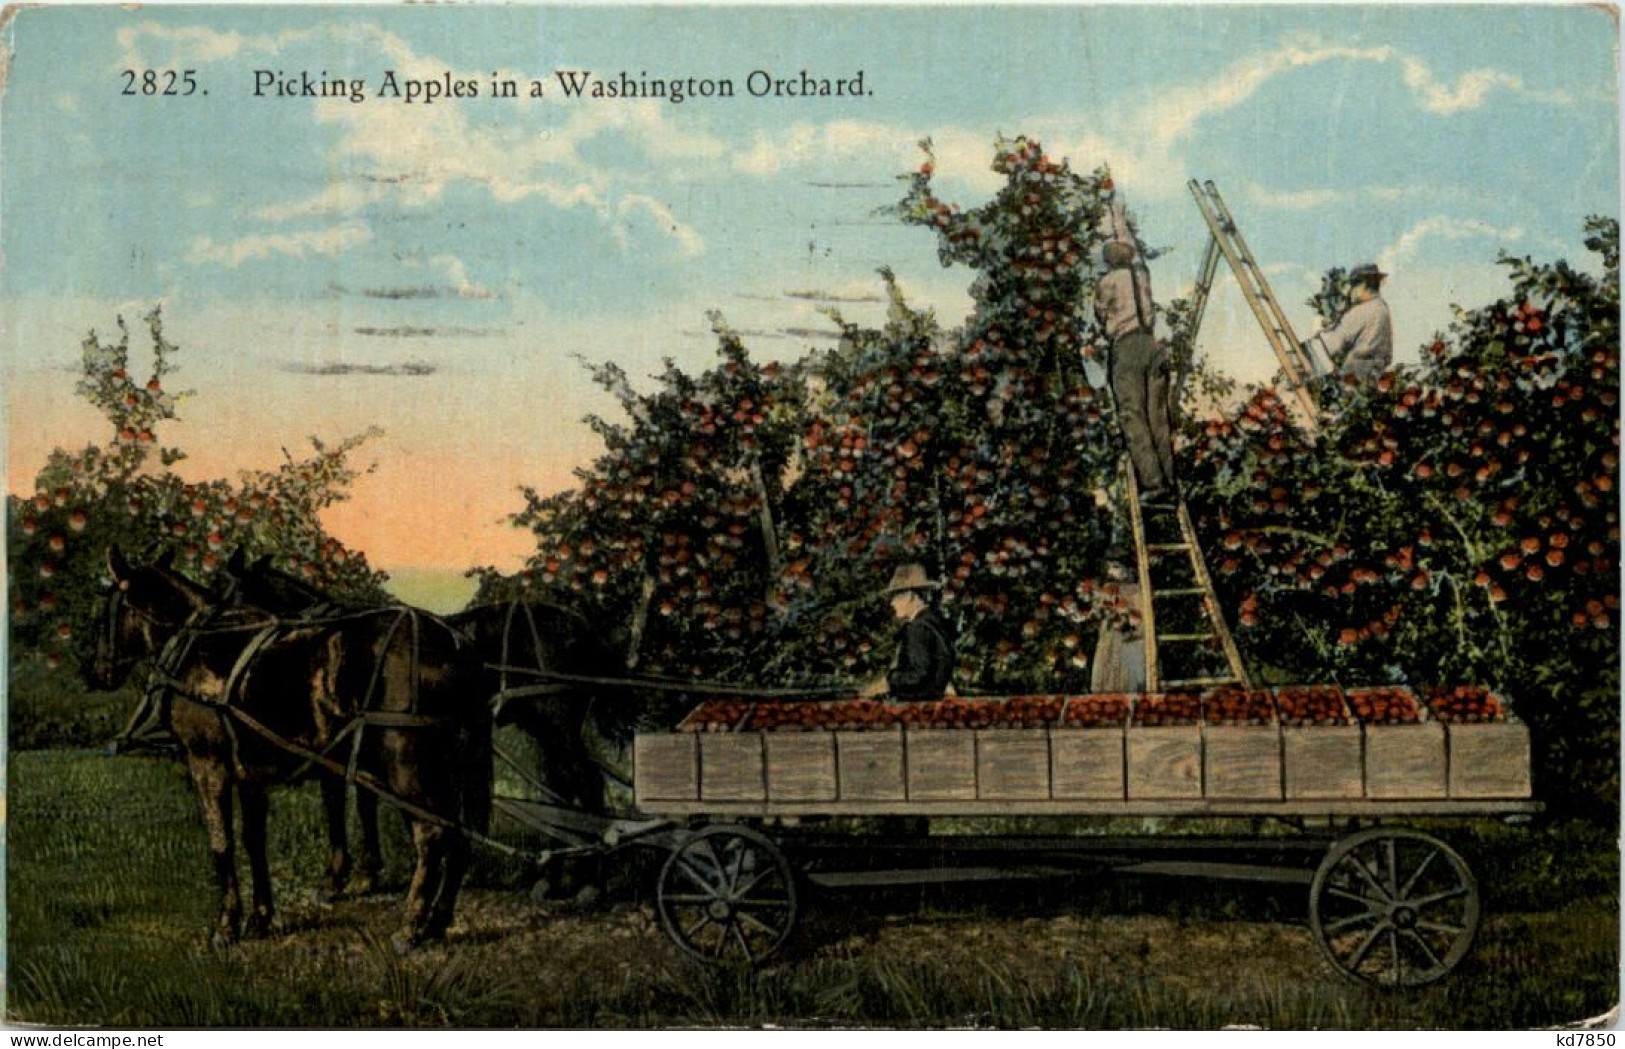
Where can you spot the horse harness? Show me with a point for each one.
(166, 678)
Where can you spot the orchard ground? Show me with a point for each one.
(120, 939)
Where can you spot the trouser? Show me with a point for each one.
(1139, 375)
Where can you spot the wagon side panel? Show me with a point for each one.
(666, 767)
(1489, 760)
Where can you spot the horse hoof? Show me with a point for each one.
(223, 939)
(542, 891)
(258, 927)
(364, 885)
(403, 943)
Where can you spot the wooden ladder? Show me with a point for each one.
(1216, 628)
(1225, 239)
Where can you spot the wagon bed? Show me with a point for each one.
(1278, 764)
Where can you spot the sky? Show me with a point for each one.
(440, 270)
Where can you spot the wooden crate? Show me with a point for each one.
(1323, 761)
(870, 765)
(1489, 760)
(1164, 761)
(731, 767)
(941, 765)
(1087, 763)
(666, 767)
(1242, 762)
(800, 766)
(1012, 764)
(1405, 761)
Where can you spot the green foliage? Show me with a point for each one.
(1454, 523)
(745, 520)
(124, 492)
(1334, 297)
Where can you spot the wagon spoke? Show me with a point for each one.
(1374, 905)
(688, 899)
(754, 881)
(745, 917)
(1410, 883)
(1365, 948)
(1399, 960)
(1343, 923)
(1439, 897)
(736, 863)
(690, 933)
(739, 935)
(1393, 868)
(1370, 878)
(716, 863)
(1433, 959)
(696, 876)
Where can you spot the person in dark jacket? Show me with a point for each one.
(925, 649)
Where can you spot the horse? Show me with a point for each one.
(257, 701)
(261, 585)
(528, 635)
(535, 643)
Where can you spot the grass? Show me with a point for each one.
(111, 898)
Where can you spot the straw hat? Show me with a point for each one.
(909, 577)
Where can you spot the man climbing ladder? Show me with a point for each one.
(1177, 603)
(1138, 362)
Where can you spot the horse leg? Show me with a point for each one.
(212, 777)
(429, 841)
(368, 863)
(256, 809)
(338, 862)
(451, 879)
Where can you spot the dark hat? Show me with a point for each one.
(1117, 253)
(911, 576)
(1367, 273)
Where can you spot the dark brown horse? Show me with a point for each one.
(538, 639)
(256, 701)
(262, 586)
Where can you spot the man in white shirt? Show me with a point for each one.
(1139, 367)
(1361, 344)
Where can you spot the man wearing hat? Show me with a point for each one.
(1361, 344)
(925, 651)
(1139, 367)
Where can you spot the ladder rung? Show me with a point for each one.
(1194, 591)
(1167, 546)
(1185, 637)
(1202, 681)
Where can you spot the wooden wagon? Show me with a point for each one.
(754, 787)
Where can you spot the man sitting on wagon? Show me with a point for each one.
(925, 650)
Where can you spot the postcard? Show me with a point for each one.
(967, 516)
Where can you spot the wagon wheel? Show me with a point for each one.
(727, 895)
(1393, 908)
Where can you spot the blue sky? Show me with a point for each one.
(491, 239)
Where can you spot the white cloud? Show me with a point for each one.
(457, 276)
(330, 241)
(689, 242)
(1142, 144)
(336, 197)
(1470, 89)
(197, 45)
(1313, 199)
(1447, 228)
(801, 145)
